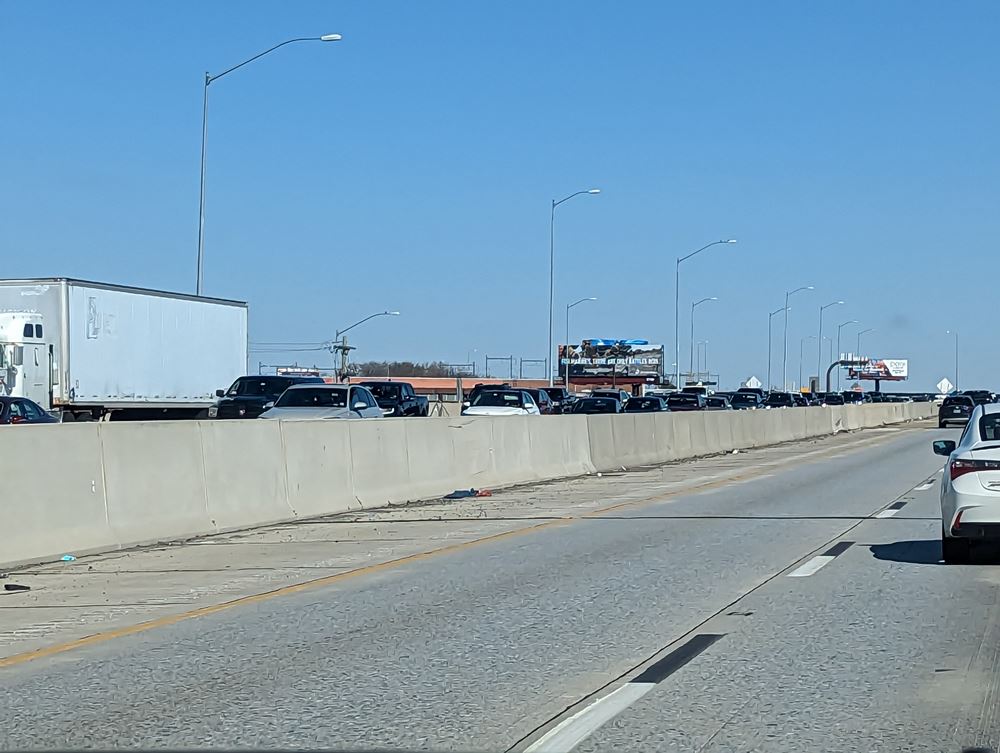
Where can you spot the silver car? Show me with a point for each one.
(310, 401)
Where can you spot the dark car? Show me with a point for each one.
(956, 409)
(592, 405)
(746, 401)
(758, 391)
(543, 400)
(979, 397)
(684, 401)
(876, 397)
(779, 400)
(397, 398)
(620, 395)
(249, 396)
(647, 404)
(833, 398)
(717, 402)
(854, 397)
(21, 410)
(562, 399)
(800, 400)
(480, 388)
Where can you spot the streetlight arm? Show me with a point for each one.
(380, 313)
(695, 253)
(573, 195)
(210, 79)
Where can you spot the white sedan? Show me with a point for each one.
(503, 403)
(970, 484)
(310, 401)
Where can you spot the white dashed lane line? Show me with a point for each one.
(820, 561)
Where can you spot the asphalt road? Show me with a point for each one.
(683, 612)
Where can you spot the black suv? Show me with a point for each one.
(956, 409)
(249, 395)
(779, 400)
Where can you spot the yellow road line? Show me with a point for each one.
(142, 627)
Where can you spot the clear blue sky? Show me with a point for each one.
(852, 146)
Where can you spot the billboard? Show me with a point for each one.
(605, 358)
(889, 369)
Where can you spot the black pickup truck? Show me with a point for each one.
(249, 396)
(397, 398)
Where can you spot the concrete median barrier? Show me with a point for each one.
(122, 484)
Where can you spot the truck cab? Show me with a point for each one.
(26, 367)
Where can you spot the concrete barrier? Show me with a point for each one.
(122, 484)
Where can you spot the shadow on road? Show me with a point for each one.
(928, 552)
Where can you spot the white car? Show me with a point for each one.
(503, 403)
(970, 484)
(310, 401)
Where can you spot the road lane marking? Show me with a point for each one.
(892, 509)
(575, 729)
(821, 560)
(924, 486)
(780, 463)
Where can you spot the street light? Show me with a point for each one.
(568, 307)
(955, 333)
(819, 346)
(204, 138)
(342, 345)
(840, 327)
(801, 343)
(552, 266)
(693, 306)
(769, 318)
(677, 305)
(784, 345)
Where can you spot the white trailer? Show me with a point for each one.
(90, 350)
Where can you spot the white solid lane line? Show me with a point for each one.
(574, 730)
(887, 513)
(812, 566)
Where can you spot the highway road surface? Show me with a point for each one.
(783, 599)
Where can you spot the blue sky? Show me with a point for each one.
(852, 146)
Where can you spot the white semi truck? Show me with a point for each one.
(91, 351)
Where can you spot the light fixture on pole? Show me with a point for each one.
(552, 267)
(769, 318)
(677, 305)
(568, 307)
(784, 345)
(693, 307)
(819, 346)
(839, 353)
(204, 139)
(340, 342)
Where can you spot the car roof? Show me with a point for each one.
(314, 385)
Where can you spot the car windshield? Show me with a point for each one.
(313, 397)
(834, 400)
(596, 405)
(675, 400)
(957, 400)
(744, 398)
(258, 387)
(642, 403)
(498, 399)
(557, 393)
(384, 391)
(716, 402)
(779, 397)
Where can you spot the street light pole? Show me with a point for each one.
(784, 345)
(802, 342)
(863, 332)
(819, 345)
(552, 269)
(677, 306)
(955, 333)
(769, 328)
(693, 306)
(342, 344)
(568, 307)
(204, 139)
(840, 327)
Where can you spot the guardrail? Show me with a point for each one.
(115, 485)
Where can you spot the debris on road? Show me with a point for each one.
(15, 587)
(68, 558)
(466, 493)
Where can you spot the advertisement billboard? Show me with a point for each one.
(888, 369)
(605, 358)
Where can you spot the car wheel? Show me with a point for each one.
(954, 551)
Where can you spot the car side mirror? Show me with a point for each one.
(944, 447)
(360, 405)
(465, 403)
(268, 405)
(220, 393)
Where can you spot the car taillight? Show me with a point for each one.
(959, 466)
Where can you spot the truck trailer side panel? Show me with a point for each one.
(128, 347)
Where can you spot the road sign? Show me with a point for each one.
(753, 383)
(944, 386)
